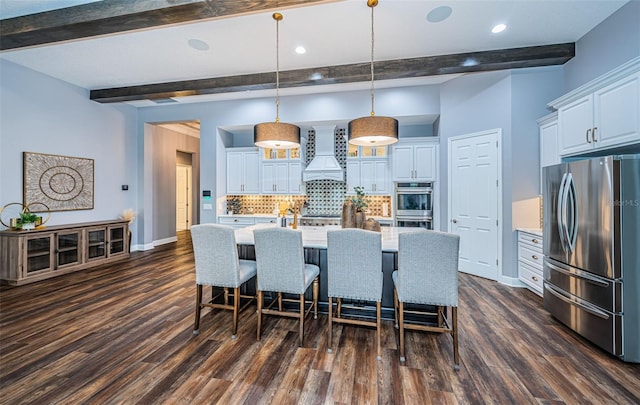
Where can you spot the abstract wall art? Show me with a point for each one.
(61, 183)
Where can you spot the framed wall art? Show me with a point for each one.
(61, 183)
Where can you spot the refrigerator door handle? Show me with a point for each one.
(560, 210)
(572, 202)
(584, 306)
(583, 275)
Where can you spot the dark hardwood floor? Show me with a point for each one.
(122, 334)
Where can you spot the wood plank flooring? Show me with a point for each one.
(122, 334)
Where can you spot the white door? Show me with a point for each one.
(474, 201)
(183, 197)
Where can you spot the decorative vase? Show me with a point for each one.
(348, 219)
(361, 218)
(28, 226)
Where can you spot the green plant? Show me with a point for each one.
(27, 218)
(360, 200)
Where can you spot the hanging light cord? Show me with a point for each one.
(277, 67)
(372, 85)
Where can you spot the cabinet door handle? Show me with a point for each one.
(588, 131)
(534, 257)
(534, 240)
(593, 134)
(534, 278)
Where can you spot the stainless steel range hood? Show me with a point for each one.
(324, 165)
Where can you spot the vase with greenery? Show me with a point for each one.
(360, 202)
(27, 220)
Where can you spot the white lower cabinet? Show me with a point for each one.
(236, 221)
(530, 259)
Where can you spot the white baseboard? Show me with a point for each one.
(165, 241)
(511, 281)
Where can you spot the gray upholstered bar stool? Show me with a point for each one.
(217, 264)
(428, 275)
(354, 272)
(281, 269)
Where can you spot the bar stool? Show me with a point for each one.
(428, 275)
(281, 269)
(354, 271)
(217, 264)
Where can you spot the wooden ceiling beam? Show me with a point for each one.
(116, 16)
(533, 56)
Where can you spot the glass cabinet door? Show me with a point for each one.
(116, 240)
(39, 253)
(280, 154)
(68, 248)
(96, 243)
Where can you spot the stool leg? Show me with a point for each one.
(196, 325)
(301, 319)
(259, 313)
(378, 330)
(226, 296)
(454, 320)
(329, 348)
(339, 309)
(395, 306)
(316, 289)
(401, 312)
(236, 310)
(280, 301)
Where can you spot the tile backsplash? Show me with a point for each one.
(323, 197)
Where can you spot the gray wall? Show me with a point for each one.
(610, 44)
(44, 115)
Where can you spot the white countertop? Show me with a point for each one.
(316, 236)
(377, 218)
(535, 231)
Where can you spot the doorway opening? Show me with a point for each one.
(184, 187)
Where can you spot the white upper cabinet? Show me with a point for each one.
(243, 171)
(368, 167)
(549, 154)
(604, 113)
(414, 160)
(281, 171)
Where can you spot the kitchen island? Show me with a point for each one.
(314, 241)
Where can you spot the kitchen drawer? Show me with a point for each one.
(531, 276)
(530, 239)
(266, 220)
(236, 222)
(531, 255)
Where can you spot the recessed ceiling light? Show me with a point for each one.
(498, 28)
(300, 50)
(198, 44)
(439, 14)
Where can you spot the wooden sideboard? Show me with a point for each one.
(28, 256)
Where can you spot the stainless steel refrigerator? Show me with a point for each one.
(592, 250)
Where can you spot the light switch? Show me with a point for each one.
(207, 207)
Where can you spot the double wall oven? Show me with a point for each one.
(413, 205)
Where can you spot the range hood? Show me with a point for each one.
(324, 165)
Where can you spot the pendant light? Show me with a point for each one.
(373, 130)
(277, 135)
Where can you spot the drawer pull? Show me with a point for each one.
(534, 257)
(235, 220)
(534, 278)
(534, 240)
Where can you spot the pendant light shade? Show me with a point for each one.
(276, 135)
(373, 130)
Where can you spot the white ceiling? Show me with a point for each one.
(334, 34)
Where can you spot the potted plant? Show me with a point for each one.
(27, 220)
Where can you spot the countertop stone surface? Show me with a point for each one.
(535, 231)
(316, 236)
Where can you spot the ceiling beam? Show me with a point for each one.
(116, 16)
(533, 56)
